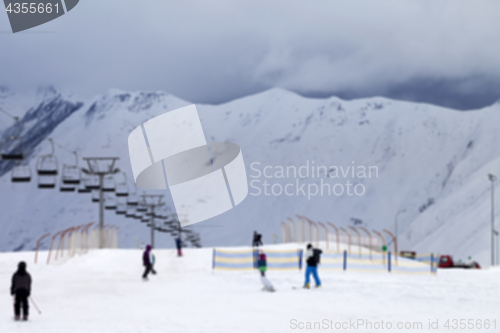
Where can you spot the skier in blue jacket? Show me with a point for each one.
(312, 259)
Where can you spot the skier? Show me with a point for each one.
(148, 261)
(178, 244)
(312, 258)
(21, 289)
(257, 239)
(262, 265)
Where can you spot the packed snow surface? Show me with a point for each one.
(102, 291)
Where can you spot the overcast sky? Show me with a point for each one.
(441, 52)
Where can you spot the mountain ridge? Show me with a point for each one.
(425, 154)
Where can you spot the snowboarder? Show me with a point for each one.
(148, 261)
(312, 259)
(21, 289)
(262, 265)
(257, 239)
(178, 244)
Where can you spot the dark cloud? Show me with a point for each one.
(462, 94)
(442, 52)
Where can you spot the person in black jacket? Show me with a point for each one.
(312, 260)
(21, 289)
(257, 239)
(178, 245)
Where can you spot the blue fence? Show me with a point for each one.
(247, 259)
(340, 261)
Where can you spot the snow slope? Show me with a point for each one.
(102, 292)
(431, 161)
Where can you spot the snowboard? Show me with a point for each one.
(267, 285)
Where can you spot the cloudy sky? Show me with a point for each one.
(212, 51)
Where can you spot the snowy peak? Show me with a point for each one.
(428, 159)
(36, 125)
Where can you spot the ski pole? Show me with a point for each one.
(34, 304)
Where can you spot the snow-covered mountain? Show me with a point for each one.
(429, 160)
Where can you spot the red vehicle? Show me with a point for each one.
(446, 261)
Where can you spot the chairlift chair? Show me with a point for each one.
(46, 182)
(17, 154)
(48, 165)
(121, 210)
(121, 207)
(122, 188)
(109, 184)
(130, 211)
(11, 156)
(132, 202)
(83, 189)
(65, 188)
(71, 174)
(144, 219)
(92, 182)
(110, 206)
(132, 198)
(110, 203)
(95, 196)
(21, 173)
(83, 186)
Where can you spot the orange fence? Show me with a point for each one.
(78, 240)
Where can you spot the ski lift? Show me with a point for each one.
(122, 188)
(95, 196)
(137, 215)
(17, 154)
(144, 219)
(142, 209)
(71, 174)
(129, 214)
(109, 184)
(21, 173)
(46, 182)
(47, 165)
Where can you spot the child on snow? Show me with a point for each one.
(312, 259)
(21, 289)
(262, 265)
(148, 262)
